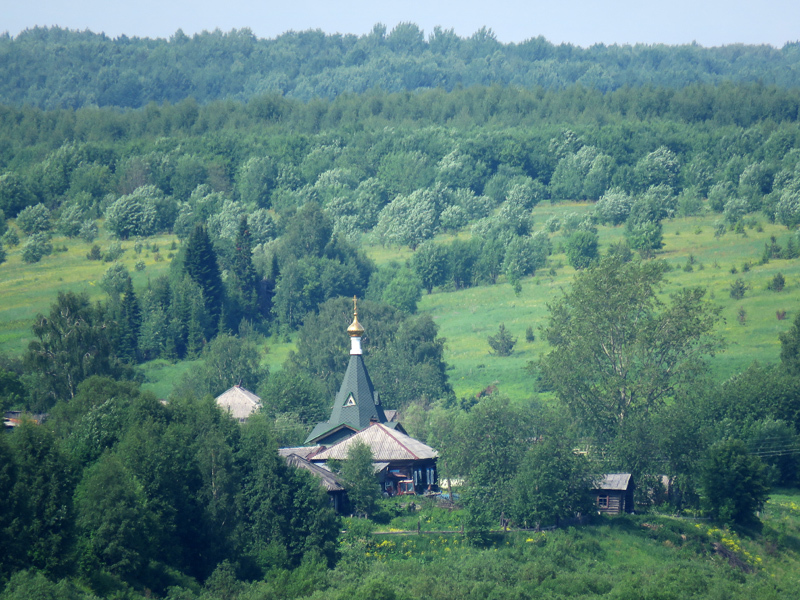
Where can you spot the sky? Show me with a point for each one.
(579, 22)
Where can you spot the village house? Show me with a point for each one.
(614, 494)
(239, 403)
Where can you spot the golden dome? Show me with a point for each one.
(355, 329)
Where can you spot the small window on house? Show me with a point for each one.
(351, 401)
(602, 501)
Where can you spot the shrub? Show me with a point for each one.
(113, 253)
(10, 238)
(139, 266)
(37, 247)
(88, 232)
(777, 284)
(502, 342)
(34, 219)
(738, 288)
(94, 253)
(529, 336)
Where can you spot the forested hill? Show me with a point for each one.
(59, 68)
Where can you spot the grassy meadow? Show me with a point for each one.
(467, 317)
(625, 557)
(29, 289)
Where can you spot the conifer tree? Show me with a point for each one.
(201, 265)
(243, 290)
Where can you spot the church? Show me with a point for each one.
(402, 464)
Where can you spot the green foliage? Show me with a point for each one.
(42, 499)
(71, 344)
(408, 220)
(34, 219)
(113, 519)
(502, 342)
(552, 482)
(133, 214)
(734, 483)
(36, 247)
(581, 249)
(88, 231)
(116, 280)
(403, 353)
(790, 347)
(297, 394)
(363, 490)
(738, 289)
(200, 264)
(617, 350)
(430, 264)
(403, 291)
(10, 237)
(227, 361)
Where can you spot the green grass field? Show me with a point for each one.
(29, 289)
(467, 317)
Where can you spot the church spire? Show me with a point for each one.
(355, 331)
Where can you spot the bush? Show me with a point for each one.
(69, 223)
(88, 232)
(113, 253)
(34, 219)
(502, 342)
(777, 284)
(37, 247)
(738, 288)
(94, 253)
(139, 266)
(10, 238)
(529, 336)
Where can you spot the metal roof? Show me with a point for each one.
(386, 445)
(301, 451)
(356, 404)
(614, 481)
(330, 481)
(239, 402)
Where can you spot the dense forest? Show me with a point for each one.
(272, 168)
(58, 68)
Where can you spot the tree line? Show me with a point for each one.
(59, 68)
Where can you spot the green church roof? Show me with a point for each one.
(356, 405)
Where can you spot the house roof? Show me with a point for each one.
(302, 451)
(386, 444)
(239, 402)
(330, 481)
(614, 481)
(356, 404)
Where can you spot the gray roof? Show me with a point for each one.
(614, 481)
(330, 481)
(301, 451)
(239, 402)
(386, 445)
(356, 404)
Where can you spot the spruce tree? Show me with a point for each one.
(243, 290)
(201, 265)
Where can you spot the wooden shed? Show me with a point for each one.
(614, 493)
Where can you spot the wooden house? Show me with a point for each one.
(332, 484)
(403, 465)
(614, 494)
(239, 403)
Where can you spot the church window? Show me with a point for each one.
(351, 401)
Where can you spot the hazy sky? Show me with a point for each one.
(582, 22)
